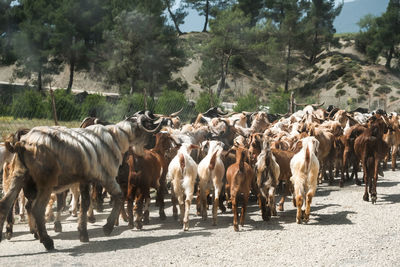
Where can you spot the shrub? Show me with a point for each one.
(393, 98)
(95, 105)
(67, 109)
(339, 86)
(250, 102)
(361, 98)
(169, 102)
(279, 102)
(384, 89)
(340, 93)
(336, 59)
(204, 102)
(371, 73)
(129, 104)
(29, 104)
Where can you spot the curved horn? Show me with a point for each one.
(176, 113)
(318, 105)
(150, 115)
(140, 123)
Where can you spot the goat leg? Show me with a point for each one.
(82, 221)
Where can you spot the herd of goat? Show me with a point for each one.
(226, 156)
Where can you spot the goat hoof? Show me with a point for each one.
(298, 220)
(274, 213)
(48, 243)
(8, 235)
(175, 216)
(146, 220)
(280, 205)
(265, 217)
(236, 227)
(366, 197)
(35, 235)
(341, 184)
(130, 225)
(139, 225)
(223, 209)
(84, 237)
(373, 199)
(57, 227)
(186, 226)
(358, 182)
(107, 229)
(162, 215)
(91, 219)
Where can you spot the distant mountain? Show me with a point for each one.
(352, 12)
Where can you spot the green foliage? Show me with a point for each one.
(95, 105)
(130, 104)
(279, 102)
(29, 104)
(381, 35)
(361, 98)
(383, 90)
(340, 93)
(336, 59)
(371, 73)
(393, 98)
(169, 102)
(340, 86)
(249, 102)
(206, 101)
(145, 52)
(67, 109)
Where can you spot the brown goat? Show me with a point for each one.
(239, 178)
(371, 148)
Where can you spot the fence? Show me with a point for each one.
(29, 108)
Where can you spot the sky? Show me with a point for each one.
(193, 22)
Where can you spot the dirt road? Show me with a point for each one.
(343, 231)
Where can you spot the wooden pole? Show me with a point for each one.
(145, 98)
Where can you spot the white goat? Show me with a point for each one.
(182, 172)
(305, 167)
(211, 169)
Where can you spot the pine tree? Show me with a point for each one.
(178, 16)
(32, 43)
(319, 29)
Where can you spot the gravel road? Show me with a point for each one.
(343, 231)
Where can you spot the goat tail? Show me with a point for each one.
(307, 161)
(213, 161)
(182, 162)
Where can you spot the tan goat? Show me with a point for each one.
(305, 167)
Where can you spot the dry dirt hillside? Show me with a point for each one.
(341, 77)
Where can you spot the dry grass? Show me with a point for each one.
(9, 124)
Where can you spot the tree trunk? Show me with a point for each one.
(71, 74)
(287, 68)
(173, 18)
(39, 81)
(314, 48)
(206, 11)
(389, 57)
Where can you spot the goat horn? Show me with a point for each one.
(318, 105)
(176, 113)
(140, 123)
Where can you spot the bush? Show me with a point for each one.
(130, 104)
(340, 93)
(169, 102)
(336, 59)
(339, 86)
(95, 105)
(204, 102)
(371, 73)
(361, 98)
(29, 104)
(279, 102)
(393, 98)
(250, 102)
(384, 89)
(67, 109)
